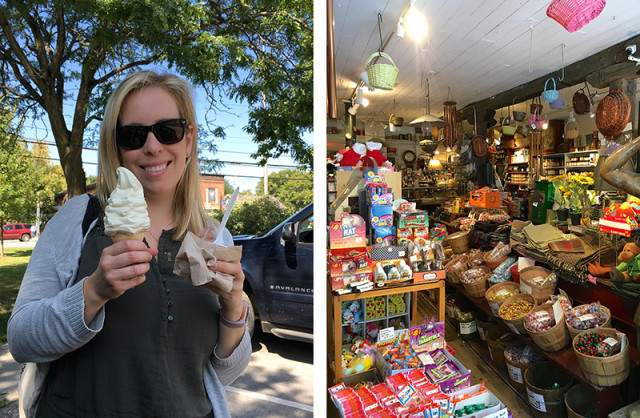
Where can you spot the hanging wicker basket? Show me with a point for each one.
(581, 103)
(381, 76)
(612, 113)
(571, 130)
(574, 14)
(549, 95)
(479, 146)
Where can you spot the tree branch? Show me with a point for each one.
(122, 68)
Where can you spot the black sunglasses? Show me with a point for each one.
(169, 131)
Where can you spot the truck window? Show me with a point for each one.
(305, 232)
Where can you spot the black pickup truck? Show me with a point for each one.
(278, 268)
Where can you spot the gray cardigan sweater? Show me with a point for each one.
(48, 317)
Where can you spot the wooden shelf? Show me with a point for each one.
(335, 301)
(608, 397)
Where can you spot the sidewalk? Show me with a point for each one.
(9, 379)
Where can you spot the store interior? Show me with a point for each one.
(483, 209)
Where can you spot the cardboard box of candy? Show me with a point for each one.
(485, 198)
(411, 219)
(466, 399)
(349, 261)
(350, 232)
(447, 371)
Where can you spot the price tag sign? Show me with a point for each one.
(386, 334)
(536, 401)
(515, 373)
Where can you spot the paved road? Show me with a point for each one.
(277, 383)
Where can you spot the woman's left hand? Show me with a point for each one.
(230, 302)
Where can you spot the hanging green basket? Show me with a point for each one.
(381, 76)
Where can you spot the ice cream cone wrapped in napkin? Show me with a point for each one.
(196, 254)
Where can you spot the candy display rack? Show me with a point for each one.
(411, 295)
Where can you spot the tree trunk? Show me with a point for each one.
(69, 146)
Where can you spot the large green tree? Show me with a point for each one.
(26, 178)
(294, 188)
(70, 53)
(254, 217)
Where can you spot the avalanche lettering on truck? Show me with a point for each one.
(292, 289)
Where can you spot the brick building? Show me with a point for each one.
(212, 190)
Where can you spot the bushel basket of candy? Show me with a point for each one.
(603, 355)
(475, 281)
(513, 311)
(588, 316)
(541, 325)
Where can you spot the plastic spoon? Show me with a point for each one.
(225, 217)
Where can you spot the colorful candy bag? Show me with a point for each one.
(539, 321)
(521, 354)
(585, 317)
(500, 250)
(502, 273)
(473, 275)
(597, 345)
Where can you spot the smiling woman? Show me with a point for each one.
(160, 329)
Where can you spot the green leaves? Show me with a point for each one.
(73, 52)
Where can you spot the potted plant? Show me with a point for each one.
(572, 194)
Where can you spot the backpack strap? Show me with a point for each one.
(93, 211)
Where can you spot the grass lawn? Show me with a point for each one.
(12, 267)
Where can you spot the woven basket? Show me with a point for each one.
(381, 76)
(581, 103)
(539, 293)
(495, 304)
(550, 95)
(479, 146)
(478, 289)
(516, 325)
(554, 339)
(603, 311)
(453, 275)
(604, 371)
(558, 103)
(612, 113)
(519, 116)
(574, 14)
(571, 130)
(509, 129)
(493, 264)
(459, 241)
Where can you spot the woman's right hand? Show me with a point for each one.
(122, 267)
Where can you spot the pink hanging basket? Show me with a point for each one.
(574, 14)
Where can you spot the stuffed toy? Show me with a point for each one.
(347, 158)
(629, 268)
(374, 153)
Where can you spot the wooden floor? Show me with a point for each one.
(480, 370)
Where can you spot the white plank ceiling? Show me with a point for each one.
(474, 49)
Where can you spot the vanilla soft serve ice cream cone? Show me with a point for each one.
(125, 216)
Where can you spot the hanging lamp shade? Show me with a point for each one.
(426, 117)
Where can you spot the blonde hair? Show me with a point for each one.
(188, 209)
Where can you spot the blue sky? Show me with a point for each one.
(237, 147)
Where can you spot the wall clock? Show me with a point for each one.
(409, 157)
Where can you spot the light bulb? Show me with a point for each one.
(400, 28)
(448, 149)
(415, 23)
(436, 152)
(365, 102)
(545, 125)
